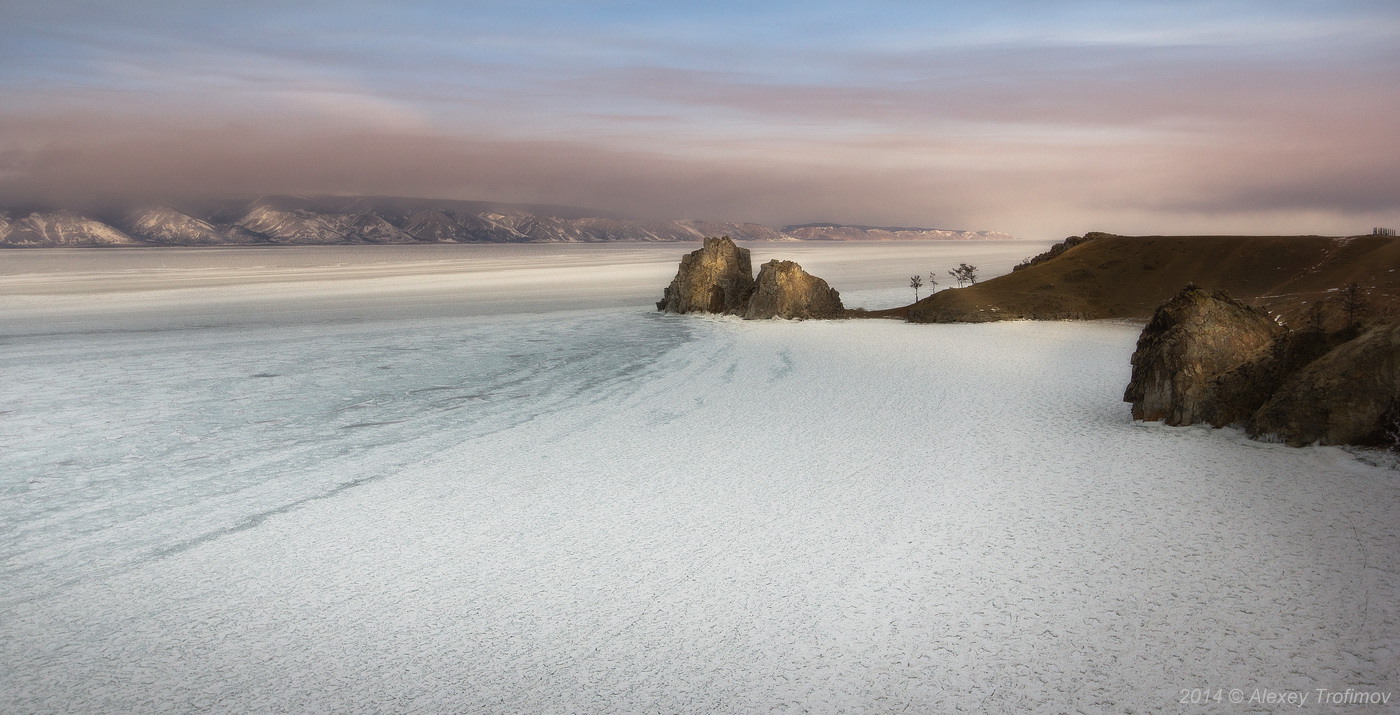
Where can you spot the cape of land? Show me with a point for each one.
(1100, 275)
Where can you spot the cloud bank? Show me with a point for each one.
(1078, 116)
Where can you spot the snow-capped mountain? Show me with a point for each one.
(297, 226)
(61, 228)
(840, 232)
(435, 227)
(697, 230)
(288, 220)
(373, 228)
(164, 225)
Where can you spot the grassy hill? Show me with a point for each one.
(1108, 276)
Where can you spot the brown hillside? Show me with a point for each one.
(1128, 276)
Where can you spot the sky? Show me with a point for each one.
(1042, 119)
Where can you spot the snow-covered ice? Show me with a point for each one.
(592, 507)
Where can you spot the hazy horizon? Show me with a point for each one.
(1037, 119)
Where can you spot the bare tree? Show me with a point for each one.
(1354, 303)
(963, 274)
(915, 282)
(932, 283)
(1317, 315)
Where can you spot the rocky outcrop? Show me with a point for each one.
(1207, 358)
(719, 279)
(1351, 395)
(1192, 363)
(1058, 249)
(715, 279)
(784, 290)
(1247, 387)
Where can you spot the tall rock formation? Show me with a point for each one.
(1191, 356)
(784, 290)
(715, 279)
(1351, 395)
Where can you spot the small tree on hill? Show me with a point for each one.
(1317, 315)
(964, 274)
(1354, 303)
(932, 283)
(915, 282)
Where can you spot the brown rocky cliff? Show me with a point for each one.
(784, 290)
(1348, 396)
(718, 278)
(1193, 341)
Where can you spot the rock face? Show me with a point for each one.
(1351, 395)
(715, 279)
(1207, 358)
(784, 290)
(1193, 356)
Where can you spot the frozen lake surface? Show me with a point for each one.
(51, 290)
(493, 480)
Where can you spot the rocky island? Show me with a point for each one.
(718, 278)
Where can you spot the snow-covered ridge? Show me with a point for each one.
(839, 232)
(164, 225)
(324, 221)
(61, 228)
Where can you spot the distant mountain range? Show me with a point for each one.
(326, 220)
